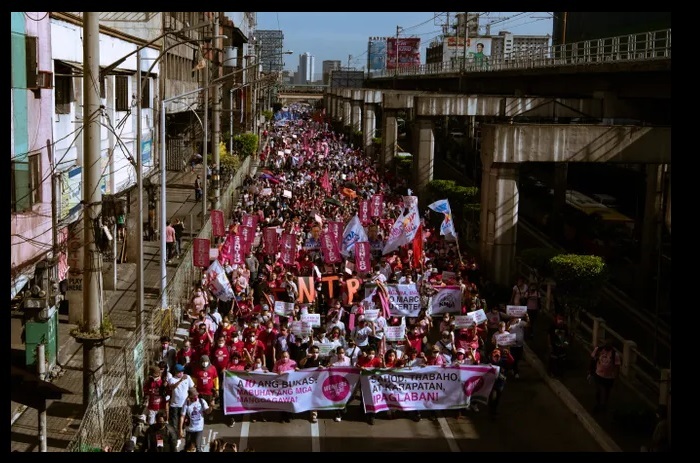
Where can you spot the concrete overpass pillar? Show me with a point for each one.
(369, 121)
(423, 158)
(339, 108)
(651, 228)
(356, 115)
(499, 218)
(347, 113)
(390, 133)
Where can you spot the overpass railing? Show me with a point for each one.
(643, 46)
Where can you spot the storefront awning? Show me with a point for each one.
(18, 281)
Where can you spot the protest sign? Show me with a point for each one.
(284, 309)
(463, 321)
(294, 391)
(506, 339)
(448, 299)
(516, 311)
(395, 333)
(478, 316)
(312, 318)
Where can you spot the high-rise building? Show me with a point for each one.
(306, 68)
(270, 44)
(327, 67)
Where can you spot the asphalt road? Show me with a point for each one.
(531, 419)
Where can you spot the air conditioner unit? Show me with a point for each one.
(44, 79)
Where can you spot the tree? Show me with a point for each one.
(580, 280)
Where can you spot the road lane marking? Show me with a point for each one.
(315, 440)
(243, 443)
(448, 434)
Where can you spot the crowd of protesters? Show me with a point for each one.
(308, 177)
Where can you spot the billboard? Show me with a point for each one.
(376, 54)
(407, 50)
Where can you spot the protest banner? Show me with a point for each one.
(448, 299)
(463, 321)
(478, 316)
(404, 300)
(448, 276)
(294, 391)
(313, 318)
(284, 309)
(200, 252)
(371, 314)
(426, 388)
(516, 311)
(299, 328)
(505, 339)
(395, 333)
(363, 213)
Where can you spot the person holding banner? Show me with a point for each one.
(312, 360)
(505, 361)
(517, 326)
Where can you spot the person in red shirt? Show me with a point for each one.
(252, 328)
(226, 329)
(201, 342)
(206, 379)
(236, 344)
(153, 392)
(414, 337)
(185, 354)
(253, 348)
(370, 361)
(220, 355)
(268, 336)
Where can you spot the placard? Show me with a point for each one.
(516, 311)
(300, 328)
(324, 348)
(464, 321)
(395, 333)
(200, 252)
(313, 318)
(371, 314)
(478, 316)
(448, 275)
(506, 339)
(284, 309)
(266, 192)
(287, 193)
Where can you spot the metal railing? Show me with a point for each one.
(641, 373)
(643, 46)
(108, 417)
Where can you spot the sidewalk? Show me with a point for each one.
(63, 416)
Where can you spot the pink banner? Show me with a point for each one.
(329, 248)
(377, 206)
(270, 240)
(363, 213)
(337, 229)
(238, 250)
(402, 52)
(217, 223)
(226, 251)
(288, 244)
(362, 257)
(248, 234)
(249, 220)
(200, 252)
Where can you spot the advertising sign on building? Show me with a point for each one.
(404, 51)
(70, 191)
(376, 54)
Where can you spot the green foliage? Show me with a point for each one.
(228, 160)
(580, 280)
(377, 140)
(245, 144)
(106, 329)
(539, 259)
(455, 194)
(268, 114)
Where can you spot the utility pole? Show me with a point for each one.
(93, 350)
(466, 38)
(396, 56)
(139, 202)
(205, 148)
(216, 121)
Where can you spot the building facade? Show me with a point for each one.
(306, 68)
(327, 67)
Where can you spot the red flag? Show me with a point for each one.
(325, 183)
(418, 248)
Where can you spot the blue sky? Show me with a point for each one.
(334, 36)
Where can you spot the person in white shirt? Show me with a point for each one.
(335, 322)
(377, 337)
(517, 326)
(178, 384)
(194, 410)
(362, 332)
(353, 352)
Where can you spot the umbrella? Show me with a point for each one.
(351, 185)
(333, 201)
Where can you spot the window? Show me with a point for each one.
(121, 93)
(25, 181)
(145, 92)
(63, 86)
(31, 54)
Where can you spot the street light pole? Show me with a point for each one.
(216, 129)
(139, 200)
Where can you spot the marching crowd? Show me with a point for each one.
(310, 177)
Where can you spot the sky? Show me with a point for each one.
(336, 36)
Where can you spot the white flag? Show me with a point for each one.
(354, 232)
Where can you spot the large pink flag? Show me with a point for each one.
(329, 248)
(248, 233)
(250, 220)
(362, 257)
(325, 182)
(288, 245)
(363, 213)
(226, 251)
(270, 240)
(238, 250)
(377, 206)
(337, 229)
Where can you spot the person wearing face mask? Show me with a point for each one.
(339, 358)
(369, 361)
(206, 379)
(202, 342)
(185, 354)
(161, 436)
(268, 336)
(312, 361)
(220, 356)
(153, 394)
(226, 329)
(505, 361)
(253, 349)
(235, 364)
